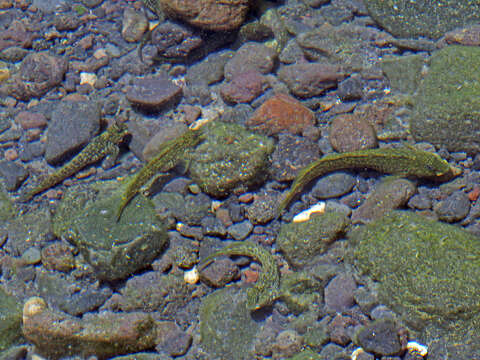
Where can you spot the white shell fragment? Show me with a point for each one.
(356, 353)
(88, 78)
(191, 276)
(416, 348)
(305, 214)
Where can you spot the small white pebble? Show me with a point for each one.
(356, 353)
(33, 306)
(191, 276)
(88, 78)
(179, 226)
(215, 205)
(416, 348)
(318, 208)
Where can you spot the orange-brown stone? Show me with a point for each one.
(282, 113)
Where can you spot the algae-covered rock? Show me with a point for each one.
(430, 18)
(403, 72)
(114, 249)
(301, 242)
(428, 272)
(227, 328)
(10, 320)
(230, 157)
(6, 207)
(300, 291)
(306, 355)
(447, 107)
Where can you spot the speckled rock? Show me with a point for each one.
(403, 72)
(302, 242)
(351, 46)
(454, 208)
(392, 193)
(58, 256)
(39, 72)
(153, 93)
(215, 15)
(243, 88)
(281, 113)
(103, 335)
(73, 125)
(287, 343)
(134, 24)
(400, 250)
(450, 94)
(13, 174)
(349, 132)
(154, 291)
(114, 249)
(262, 210)
(171, 339)
(291, 154)
(306, 80)
(227, 328)
(11, 315)
(380, 338)
(229, 157)
(250, 56)
(429, 18)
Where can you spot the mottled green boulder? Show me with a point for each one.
(429, 18)
(230, 157)
(306, 355)
(114, 249)
(6, 207)
(227, 328)
(403, 72)
(300, 290)
(447, 106)
(301, 242)
(10, 320)
(428, 273)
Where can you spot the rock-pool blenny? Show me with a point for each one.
(170, 153)
(266, 289)
(104, 145)
(404, 161)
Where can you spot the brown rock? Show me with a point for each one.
(243, 88)
(250, 56)
(310, 79)
(349, 132)
(281, 113)
(16, 35)
(134, 25)
(58, 256)
(39, 72)
(171, 339)
(103, 335)
(153, 92)
(31, 120)
(218, 15)
(219, 273)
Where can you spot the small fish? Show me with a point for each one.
(102, 146)
(170, 153)
(266, 289)
(404, 161)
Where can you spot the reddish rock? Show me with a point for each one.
(218, 15)
(282, 113)
(16, 35)
(310, 79)
(243, 88)
(250, 56)
(338, 329)
(30, 120)
(349, 132)
(39, 72)
(58, 256)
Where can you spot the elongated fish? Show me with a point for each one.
(404, 161)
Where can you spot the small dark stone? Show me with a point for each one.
(333, 185)
(220, 272)
(171, 339)
(350, 89)
(240, 230)
(153, 93)
(13, 174)
(380, 338)
(66, 22)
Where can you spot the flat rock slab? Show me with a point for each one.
(429, 18)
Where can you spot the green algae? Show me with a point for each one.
(446, 112)
(428, 272)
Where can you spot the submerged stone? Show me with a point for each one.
(230, 157)
(428, 272)
(227, 328)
